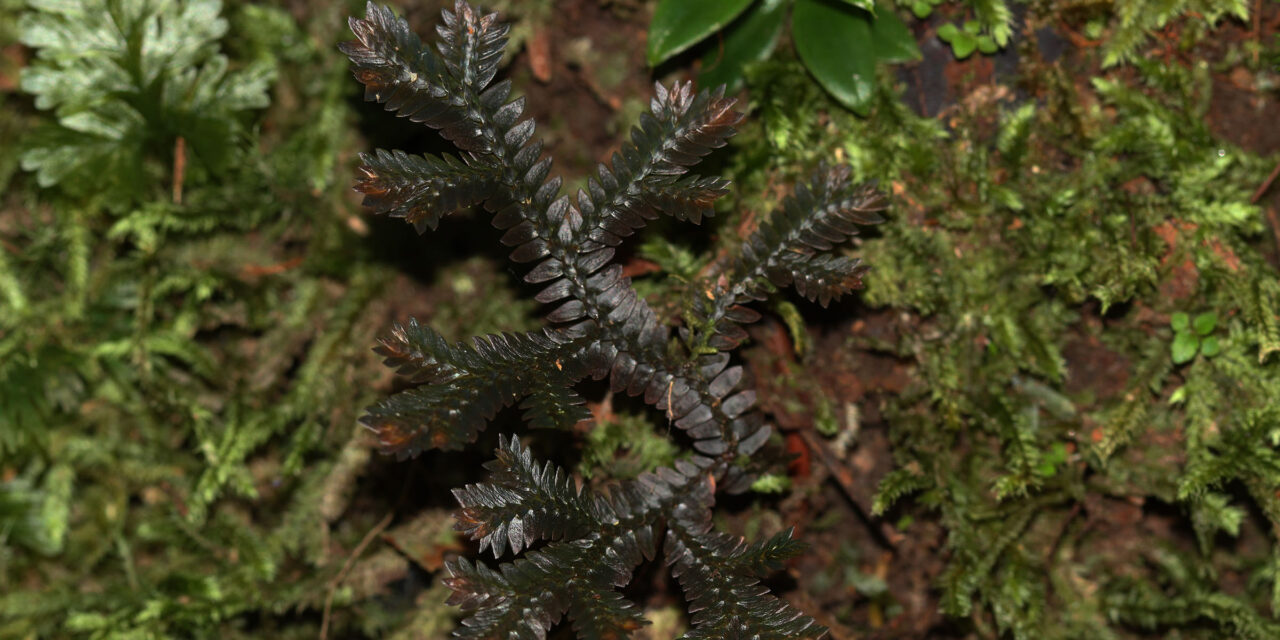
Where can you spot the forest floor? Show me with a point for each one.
(865, 576)
(850, 385)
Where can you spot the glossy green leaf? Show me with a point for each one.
(750, 38)
(680, 24)
(893, 40)
(835, 43)
(1210, 346)
(947, 31)
(963, 44)
(921, 9)
(866, 5)
(987, 45)
(1205, 323)
(1184, 347)
(1180, 321)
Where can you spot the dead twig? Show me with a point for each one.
(844, 478)
(346, 568)
(539, 48)
(1275, 225)
(1257, 27)
(179, 168)
(1062, 532)
(1266, 184)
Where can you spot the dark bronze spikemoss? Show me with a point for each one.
(601, 329)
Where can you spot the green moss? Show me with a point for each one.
(624, 446)
(1021, 230)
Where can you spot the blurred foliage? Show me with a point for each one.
(181, 368)
(186, 309)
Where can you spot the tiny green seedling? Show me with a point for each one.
(1194, 336)
(924, 8)
(964, 40)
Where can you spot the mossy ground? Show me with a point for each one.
(993, 439)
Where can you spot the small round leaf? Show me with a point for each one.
(963, 44)
(1180, 321)
(1205, 323)
(1210, 346)
(1184, 347)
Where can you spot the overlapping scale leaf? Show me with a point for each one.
(522, 502)
(785, 250)
(816, 217)
(524, 598)
(550, 405)
(422, 189)
(689, 198)
(711, 125)
(406, 76)
(820, 278)
(604, 616)
(720, 577)
(466, 385)
(512, 603)
(416, 352)
(608, 330)
(719, 425)
(437, 416)
(471, 45)
(641, 181)
(596, 610)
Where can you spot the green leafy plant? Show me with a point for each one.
(1135, 21)
(162, 352)
(138, 88)
(587, 541)
(924, 8)
(840, 42)
(1193, 336)
(964, 40)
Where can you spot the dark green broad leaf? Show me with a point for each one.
(893, 40)
(751, 38)
(680, 24)
(834, 41)
(865, 5)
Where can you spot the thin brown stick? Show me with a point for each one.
(179, 168)
(844, 479)
(1266, 184)
(346, 568)
(1062, 532)
(1275, 225)
(1257, 27)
